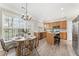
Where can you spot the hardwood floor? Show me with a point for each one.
(65, 49)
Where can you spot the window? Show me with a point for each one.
(12, 26)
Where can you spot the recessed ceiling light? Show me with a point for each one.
(62, 8)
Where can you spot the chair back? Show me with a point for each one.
(3, 44)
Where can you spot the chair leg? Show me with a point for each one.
(6, 52)
(37, 52)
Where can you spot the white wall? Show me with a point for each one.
(0, 22)
(69, 29)
(34, 25)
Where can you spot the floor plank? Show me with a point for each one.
(64, 49)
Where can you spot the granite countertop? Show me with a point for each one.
(60, 30)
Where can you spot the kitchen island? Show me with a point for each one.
(50, 38)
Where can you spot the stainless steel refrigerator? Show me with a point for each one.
(75, 35)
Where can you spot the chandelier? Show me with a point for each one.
(25, 16)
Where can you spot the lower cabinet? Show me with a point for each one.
(63, 35)
(39, 36)
(50, 38)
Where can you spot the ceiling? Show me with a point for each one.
(52, 11)
(15, 7)
(45, 11)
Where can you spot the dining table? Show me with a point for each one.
(24, 45)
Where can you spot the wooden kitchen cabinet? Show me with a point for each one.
(50, 25)
(63, 35)
(39, 36)
(55, 24)
(63, 24)
(49, 38)
(46, 25)
(44, 34)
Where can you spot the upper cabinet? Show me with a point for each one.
(63, 24)
(55, 24)
(48, 25)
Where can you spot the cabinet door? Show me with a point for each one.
(50, 25)
(63, 24)
(47, 26)
(56, 24)
(63, 35)
(50, 39)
